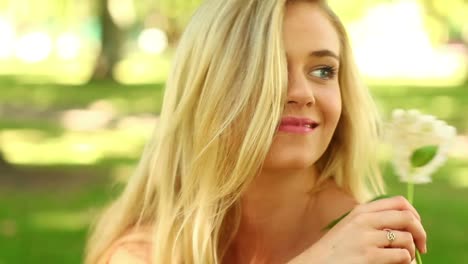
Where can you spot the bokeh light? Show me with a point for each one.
(153, 40)
(68, 46)
(34, 47)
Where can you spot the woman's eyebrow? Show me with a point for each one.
(324, 53)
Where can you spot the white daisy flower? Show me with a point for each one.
(409, 131)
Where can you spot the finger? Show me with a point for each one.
(394, 203)
(390, 256)
(400, 220)
(402, 240)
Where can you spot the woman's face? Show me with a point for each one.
(313, 106)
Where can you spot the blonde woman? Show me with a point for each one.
(266, 135)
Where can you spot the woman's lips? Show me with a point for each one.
(297, 125)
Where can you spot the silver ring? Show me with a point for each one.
(390, 236)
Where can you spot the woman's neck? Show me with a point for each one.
(277, 215)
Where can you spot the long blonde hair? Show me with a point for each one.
(223, 100)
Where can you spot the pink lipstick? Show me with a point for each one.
(297, 125)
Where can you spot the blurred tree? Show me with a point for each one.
(450, 15)
(4, 164)
(446, 23)
(168, 15)
(112, 38)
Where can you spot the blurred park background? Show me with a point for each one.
(81, 85)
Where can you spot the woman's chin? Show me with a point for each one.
(297, 163)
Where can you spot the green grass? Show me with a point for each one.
(127, 99)
(50, 219)
(33, 243)
(447, 103)
(43, 237)
(45, 210)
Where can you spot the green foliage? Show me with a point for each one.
(450, 14)
(47, 224)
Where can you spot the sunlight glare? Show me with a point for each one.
(391, 41)
(7, 37)
(34, 47)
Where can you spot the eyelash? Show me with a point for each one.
(331, 72)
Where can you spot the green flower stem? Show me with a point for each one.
(418, 257)
(410, 196)
(410, 191)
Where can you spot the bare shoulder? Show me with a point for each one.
(334, 202)
(134, 247)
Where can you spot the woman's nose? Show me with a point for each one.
(300, 91)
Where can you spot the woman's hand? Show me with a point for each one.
(361, 237)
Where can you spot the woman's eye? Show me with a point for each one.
(325, 73)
